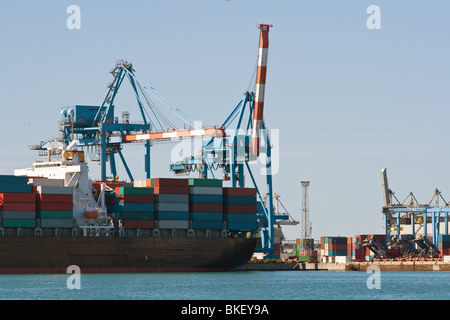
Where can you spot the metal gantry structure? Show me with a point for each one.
(411, 212)
(306, 224)
(230, 149)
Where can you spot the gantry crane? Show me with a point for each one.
(411, 211)
(222, 147)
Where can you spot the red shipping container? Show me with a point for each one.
(17, 197)
(342, 246)
(131, 198)
(138, 224)
(55, 198)
(240, 208)
(239, 192)
(205, 207)
(55, 206)
(174, 182)
(360, 255)
(112, 184)
(171, 189)
(15, 206)
(277, 249)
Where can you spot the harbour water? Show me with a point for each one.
(246, 285)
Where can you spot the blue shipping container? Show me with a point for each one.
(241, 217)
(207, 216)
(239, 200)
(136, 215)
(142, 207)
(216, 225)
(15, 188)
(205, 198)
(13, 179)
(244, 226)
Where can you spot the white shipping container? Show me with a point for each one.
(54, 190)
(342, 259)
(167, 206)
(19, 215)
(206, 190)
(140, 183)
(447, 259)
(56, 223)
(46, 182)
(173, 224)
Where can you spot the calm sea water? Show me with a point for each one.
(246, 285)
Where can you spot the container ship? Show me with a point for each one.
(53, 216)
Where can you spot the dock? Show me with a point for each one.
(350, 266)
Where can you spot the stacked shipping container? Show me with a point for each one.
(136, 207)
(55, 206)
(333, 249)
(206, 204)
(17, 203)
(172, 202)
(240, 208)
(444, 245)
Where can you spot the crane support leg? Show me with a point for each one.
(147, 160)
(112, 164)
(125, 165)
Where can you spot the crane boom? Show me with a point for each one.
(260, 87)
(175, 134)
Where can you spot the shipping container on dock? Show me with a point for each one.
(206, 204)
(444, 244)
(333, 247)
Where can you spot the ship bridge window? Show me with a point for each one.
(48, 165)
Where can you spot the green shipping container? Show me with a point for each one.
(13, 223)
(55, 214)
(136, 191)
(205, 182)
(304, 258)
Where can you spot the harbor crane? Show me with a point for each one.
(412, 213)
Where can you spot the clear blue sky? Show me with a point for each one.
(348, 101)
